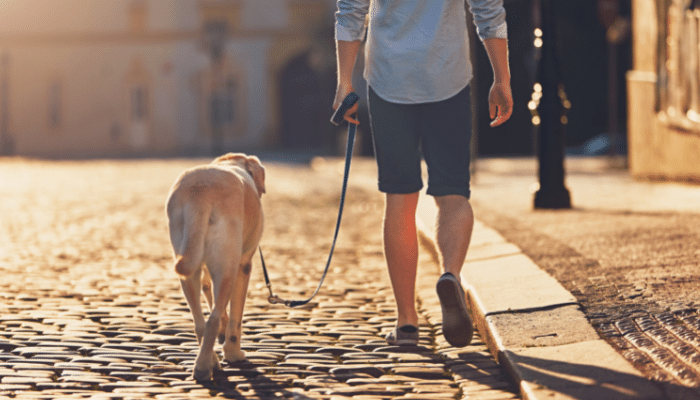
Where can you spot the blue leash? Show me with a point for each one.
(337, 118)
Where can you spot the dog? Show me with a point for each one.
(215, 219)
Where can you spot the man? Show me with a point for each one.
(418, 71)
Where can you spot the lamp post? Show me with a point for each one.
(6, 142)
(216, 32)
(549, 106)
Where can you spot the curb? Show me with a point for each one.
(534, 327)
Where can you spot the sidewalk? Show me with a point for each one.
(542, 333)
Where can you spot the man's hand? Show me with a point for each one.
(500, 103)
(500, 96)
(340, 94)
(346, 56)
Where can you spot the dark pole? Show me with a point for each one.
(217, 33)
(3, 104)
(217, 136)
(551, 111)
(613, 129)
(6, 143)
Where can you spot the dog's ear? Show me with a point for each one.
(257, 171)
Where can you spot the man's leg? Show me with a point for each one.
(401, 252)
(446, 148)
(455, 222)
(397, 150)
(446, 139)
(454, 228)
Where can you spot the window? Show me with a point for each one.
(678, 90)
(223, 104)
(55, 117)
(138, 16)
(230, 99)
(138, 103)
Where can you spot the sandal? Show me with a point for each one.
(406, 335)
(456, 324)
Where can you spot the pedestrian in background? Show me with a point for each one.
(418, 72)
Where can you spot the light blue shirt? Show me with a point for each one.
(417, 51)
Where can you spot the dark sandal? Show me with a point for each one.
(456, 324)
(406, 335)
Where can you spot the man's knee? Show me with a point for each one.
(402, 202)
(454, 207)
(452, 201)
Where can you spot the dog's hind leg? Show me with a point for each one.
(206, 288)
(232, 345)
(223, 279)
(191, 287)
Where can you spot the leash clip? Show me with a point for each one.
(275, 299)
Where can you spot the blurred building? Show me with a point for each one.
(664, 90)
(157, 77)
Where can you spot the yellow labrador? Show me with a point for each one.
(215, 219)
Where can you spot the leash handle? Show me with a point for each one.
(337, 119)
(348, 102)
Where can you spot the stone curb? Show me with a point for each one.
(533, 326)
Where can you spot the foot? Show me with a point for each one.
(456, 324)
(233, 355)
(204, 369)
(406, 335)
(202, 374)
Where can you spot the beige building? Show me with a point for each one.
(664, 90)
(91, 78)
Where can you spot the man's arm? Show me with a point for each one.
(346, 57)
(500, 96)
(350, 20)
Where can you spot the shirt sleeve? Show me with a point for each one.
(350, 19)
(489, 18)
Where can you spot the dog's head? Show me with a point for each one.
(249, 163)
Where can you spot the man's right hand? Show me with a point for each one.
(346, 56)
(341, 92)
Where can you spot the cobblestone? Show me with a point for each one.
(90, 306)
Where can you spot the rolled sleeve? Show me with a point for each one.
(489, 18)
(350, 19)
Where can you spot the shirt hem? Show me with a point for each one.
(420, 100)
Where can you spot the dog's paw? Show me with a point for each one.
(203, 374)
(234, 355)
(204, 367)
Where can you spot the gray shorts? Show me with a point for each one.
(440, 132)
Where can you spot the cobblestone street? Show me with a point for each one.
(90, 305)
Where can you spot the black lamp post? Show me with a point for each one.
(6, 141)
(549, 107)
(216, 32)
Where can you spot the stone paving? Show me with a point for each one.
(90, 306)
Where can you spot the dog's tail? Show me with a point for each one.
(196, 221)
